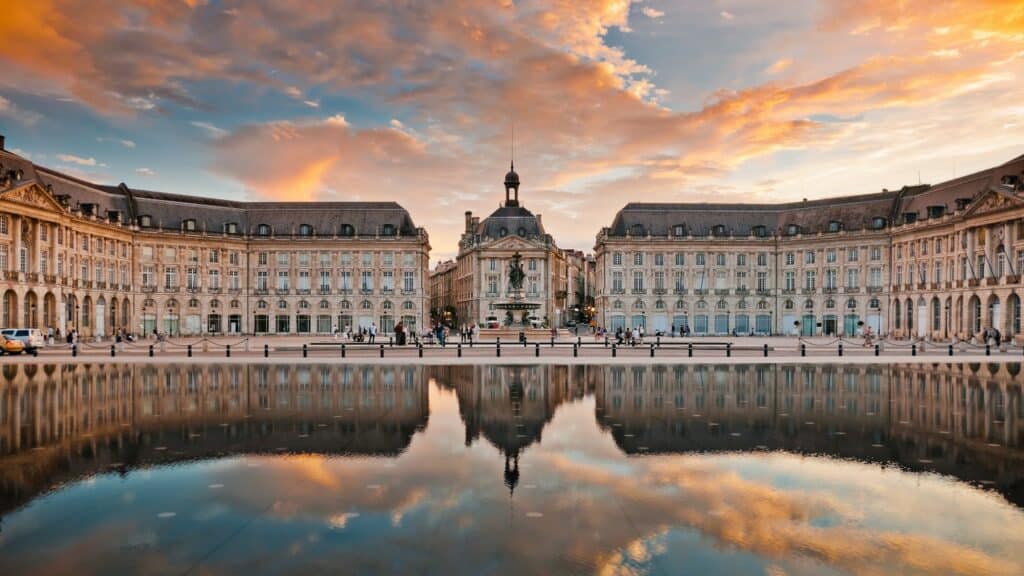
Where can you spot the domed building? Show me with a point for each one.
(485, 293)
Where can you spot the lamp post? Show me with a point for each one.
(947, 318)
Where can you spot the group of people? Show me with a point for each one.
(631, 336)
(366, 334)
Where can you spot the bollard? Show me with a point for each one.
(689, 349)
(988, 349)
(575, 350)
(877, 349)
(113, 353)
(74, 350)
(382, 350)
(765, 350)
(536, 349)
(189, 350)
(150, 350)
(950, 349)
(728, 349)
(658, 340)
(227, 351)
(266, 350)
(913, 349)
(391, 341)
(459, 350)
(305, 351)
(421, 350)
(840, 348)
(552, 341)
(343, 350)
(605, 341)
(614, 351)
(497, 347)
(803, 349)
(652, 350)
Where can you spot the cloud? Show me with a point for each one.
(145, 172)
(726, 15)
(210, 129)
(72, 159)
(122, 141)
(780, 65)
(652, 13)
(10, 110)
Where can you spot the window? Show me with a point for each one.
(303, 280)
(170, 277)
(305, 230)
(830, 279)
(638, 258)
(367, 259)
(741, 259)
(616, 259)
(876, 253)
(282, 280)
(789, 280)
(852, 278)
(762, 281)
(388, 230)
(680, 259)
(762, 259)
(282, 258)
(3, 224)
(790, 258)
(700, 259)
(366, 281)
(810, 279)
(659, 259)
(809, 257)
(263, 230)
(190, 225)
(261, 259)
(638, 280)
(347, 230)
(719, 259)
(215, 279)
(830, 256)
(408, 281)
(325, 280)
(678, 230)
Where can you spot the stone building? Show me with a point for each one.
(486, 250)
(96, 258)
(929, 261)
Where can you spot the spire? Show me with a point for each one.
(512, 179)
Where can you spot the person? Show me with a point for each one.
(439, 333)
(867, 337)
(640, 334)
(400, 334)
(997, 336)
(373, 331)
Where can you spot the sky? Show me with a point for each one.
(611, 101)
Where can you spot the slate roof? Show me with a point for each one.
(512, 219)
(168, 211)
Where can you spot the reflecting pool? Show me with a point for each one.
(342, 469)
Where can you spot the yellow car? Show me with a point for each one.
(11, 346)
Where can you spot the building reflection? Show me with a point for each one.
(960, 420)
(60, 423)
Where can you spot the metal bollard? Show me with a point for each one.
(305, 351)
(652, 350)
(266, 350)
(988, 349)
(74, 350)
(605, 341)
(227, 351)
(658, 340)
(382, 350)
(728, 349)
(913, 349)
(536, 349)
(840, 348)
(575, 350)
(803, 349)
(950, 349)
(689, 350)
(614, 351)
(113, 352)
(459, 350)
(878, 349)
(765, 350)
(497, 347)
(391, 341)
(343, 351)
(189, 350)
(150, 350)
(421, 350)
(552, 341)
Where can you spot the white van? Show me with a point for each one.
(492, 322)
(32, 338)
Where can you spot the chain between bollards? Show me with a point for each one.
(614, 350)
(689, 350)
(803, 349)
(497, 347)
(459, 350)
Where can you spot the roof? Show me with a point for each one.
(169, 210)
(513, 220)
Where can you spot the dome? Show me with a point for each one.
(512, 179)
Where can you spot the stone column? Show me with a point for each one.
(15, 261)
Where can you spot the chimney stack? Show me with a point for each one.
(469, 221)
(2, 142)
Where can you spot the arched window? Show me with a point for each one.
(261, 304)
(701, 304)
(193, 303)
(679, 230)
(875, 303)
(303, 304)
(788, 305)
(722, 305)
(305, 230)
(214, 303)
(835, 226)
(638, 230)
(762, 305)
(145, 221)
(760, 231)
(808, 304)
(345, 305)
(718, 230)
(386, 305)
(189, 225)
(409, 305)
(638, 303)
(521, 232)
(830, 303)
(878, 222)
(792, 230)
(851, 304)
(617, 305)
(896, 310)
(347, 230)
(235, 304)
(742, 304)
(263, 230)
(366, 305)
(282, 303)
(680, 304)
(503, 232)
(660, 304)
(324, 304)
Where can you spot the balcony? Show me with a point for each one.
(101, 285)
(387, 291)
(788, 291)
(193, 288)
(680, 291)
(324, 290)
(721, 291)
(408, 291)
(639, 291)
(234, 291)
(659, 291)
(742, 291)
(303, 291)
(11, 275)
(281, 291)
(618, 291)
(827, 290)
(1011, 279)
(366, 291)
(808, 291)
(172, 289)
(87, 284)
(345, 291)
(32, 277)
(851, 290)
(991, 281)
(148, 289)
(215, 290)
(700, 292)
(50, 278)
(972, 282)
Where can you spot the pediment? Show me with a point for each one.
(992, 200)
(513, 243)
(31, 194)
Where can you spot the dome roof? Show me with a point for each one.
(510, 221)
(511, 178)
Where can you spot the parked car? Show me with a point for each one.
(32, 338)
(10, 346)
(492, 322)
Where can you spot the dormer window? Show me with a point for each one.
(760, 231)
(834, 226)
(962, 203)
(305, 230)
(263, 230)
(503, 232)
(878, 222)
(792, 229)
(231, 228)
(347, 230)
(909, 217)
(638, 230)
(679, 230)
(113, 216)
(387, 230)
(936, 211)
(87, 209)
(521, 232)
(718, 230)
(189, 225)
(145, 221)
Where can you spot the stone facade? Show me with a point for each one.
(76, 255)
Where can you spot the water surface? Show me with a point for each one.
(497, 470)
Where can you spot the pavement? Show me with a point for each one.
(325, 349)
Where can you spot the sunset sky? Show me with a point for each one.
(612, 100)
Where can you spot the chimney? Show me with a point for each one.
(469, 221)
(1, 142)
(540, 223)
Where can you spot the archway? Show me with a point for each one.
(126, 316)
(949, 315)
(30, 312)
(993, 312)
(86, 316)
(50, 311)
(909, 310)
(113, 314)
(101, 317)
(936, 314)
(974, 315)
(70, 312)
(959, 314)
(1012, 324)
(10, 315)
(922, 317)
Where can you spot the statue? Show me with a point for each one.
(515, 273)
